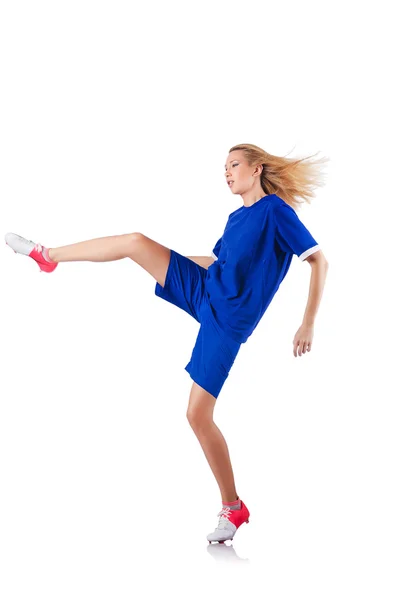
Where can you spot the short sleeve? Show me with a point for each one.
(216, 249)
(291, 233)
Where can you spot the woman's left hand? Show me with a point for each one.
(303, 339)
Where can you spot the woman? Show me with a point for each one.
(226, 293)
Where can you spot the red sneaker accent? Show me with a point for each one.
(41, 261)
(238, 517)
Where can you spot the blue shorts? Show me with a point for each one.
(214, 352)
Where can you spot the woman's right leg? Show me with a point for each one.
(150, 255)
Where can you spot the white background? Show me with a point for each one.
(118, 117)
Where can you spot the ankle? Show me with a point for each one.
(48, 254)
(233, 499)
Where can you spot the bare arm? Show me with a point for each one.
(203, 261)
(304, 336)
(319, 266)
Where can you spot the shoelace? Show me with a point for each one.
(223, 517)
(38, 247)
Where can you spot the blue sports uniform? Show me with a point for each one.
(229, 298)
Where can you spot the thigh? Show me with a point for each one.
(213, 356)
(151, 256)
(184, 285)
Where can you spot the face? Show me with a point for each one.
(243, 176)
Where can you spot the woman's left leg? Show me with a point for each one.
(200, 416)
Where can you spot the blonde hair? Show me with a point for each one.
(289, 178)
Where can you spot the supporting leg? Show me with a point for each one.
(200, 416)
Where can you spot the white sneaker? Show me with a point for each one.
(229, 521)
(21, 245)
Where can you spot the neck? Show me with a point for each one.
(252, 196)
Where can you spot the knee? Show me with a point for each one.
(136, 236)
(198, 420)
(135, 240)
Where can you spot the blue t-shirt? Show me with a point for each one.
(253, 257)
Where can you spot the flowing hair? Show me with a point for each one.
(289, 178)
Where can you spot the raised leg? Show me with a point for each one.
(150, 255)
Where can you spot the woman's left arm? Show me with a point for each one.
(304, 336)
